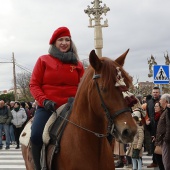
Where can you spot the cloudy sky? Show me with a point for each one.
(27, 25)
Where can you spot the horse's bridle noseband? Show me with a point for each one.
(109, 116)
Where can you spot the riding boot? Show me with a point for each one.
(36, 154)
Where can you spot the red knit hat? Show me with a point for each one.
(60, 32)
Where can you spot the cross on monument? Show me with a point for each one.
(95, 18)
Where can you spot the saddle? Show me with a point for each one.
(55, 132)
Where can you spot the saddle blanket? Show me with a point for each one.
(26, 133)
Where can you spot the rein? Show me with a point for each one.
(95, 133)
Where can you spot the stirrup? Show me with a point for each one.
(43, 158)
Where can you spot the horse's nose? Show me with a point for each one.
(128, 134)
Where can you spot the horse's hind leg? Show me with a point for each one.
(26, 153)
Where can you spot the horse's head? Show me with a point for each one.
(110, 97)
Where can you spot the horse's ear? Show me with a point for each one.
(94, 60)
(120, 60)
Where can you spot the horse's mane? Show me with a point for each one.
(109, 73)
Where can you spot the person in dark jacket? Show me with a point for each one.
(5, 119)
(150, 122)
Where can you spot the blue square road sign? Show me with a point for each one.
(161, 74)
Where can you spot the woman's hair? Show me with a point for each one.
(23, 104)
(159, 104)
(148, 97)
(18, 103)
(74, 49)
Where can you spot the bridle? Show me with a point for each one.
(110, 117)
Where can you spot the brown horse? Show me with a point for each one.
(99, 108)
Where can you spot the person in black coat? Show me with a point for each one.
(151, 122)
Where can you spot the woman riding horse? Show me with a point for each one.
(101, 107)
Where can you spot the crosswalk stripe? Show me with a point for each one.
(12, 167)
(11, 156)
(11, 161)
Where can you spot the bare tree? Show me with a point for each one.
(22, 80)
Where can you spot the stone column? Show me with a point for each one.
(95, 14)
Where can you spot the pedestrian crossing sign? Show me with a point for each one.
(161, 74)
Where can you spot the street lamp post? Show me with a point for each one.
(95, 14)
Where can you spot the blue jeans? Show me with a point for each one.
(137, 163)
(4, 127)
(11, 133)
(40, 119)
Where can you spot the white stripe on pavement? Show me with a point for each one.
(12, 161)
(12, 166)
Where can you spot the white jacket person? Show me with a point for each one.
(19, 115)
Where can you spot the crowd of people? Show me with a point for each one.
(152, 117)
(13, 117)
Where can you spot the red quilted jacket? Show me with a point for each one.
(51, 79)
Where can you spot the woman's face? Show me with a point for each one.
(63, 44)
(157, 107)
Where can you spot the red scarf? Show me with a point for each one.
(157, 115)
